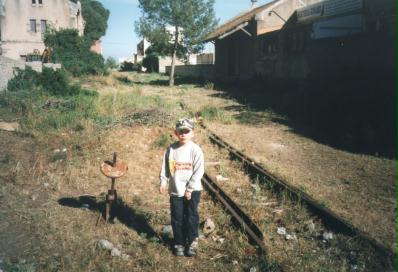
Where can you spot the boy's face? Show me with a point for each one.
(184, 135)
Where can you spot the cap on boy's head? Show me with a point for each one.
(184, 123)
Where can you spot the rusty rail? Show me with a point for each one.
(244, 220)
(328, 217)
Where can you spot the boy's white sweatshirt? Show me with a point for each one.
(183, 168)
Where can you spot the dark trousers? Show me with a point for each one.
(185, 218)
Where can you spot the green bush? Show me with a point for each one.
(127, 66)
(45, 101)
(151, 63)
(23, 80)
(111, 63)
(53, 82)
(74, 52)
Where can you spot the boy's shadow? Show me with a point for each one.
(132, 218)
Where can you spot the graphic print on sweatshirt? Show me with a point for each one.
(179, 166)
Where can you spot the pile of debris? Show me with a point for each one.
(157, 117)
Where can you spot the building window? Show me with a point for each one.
(43, 25)
(40, 2)
(32, 25)
(33, 2)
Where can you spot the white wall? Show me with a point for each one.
(16, 36)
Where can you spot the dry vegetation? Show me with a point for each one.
(51, 200)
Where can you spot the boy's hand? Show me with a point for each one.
(162, 189)
(188, 195)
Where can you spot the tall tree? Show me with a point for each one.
(96, 19)
(190, 21)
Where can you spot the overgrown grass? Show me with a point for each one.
(46, 102)
(163, 141)
(212, 113)
(208, 85)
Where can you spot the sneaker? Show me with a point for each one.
(193, 249)
(179, 250)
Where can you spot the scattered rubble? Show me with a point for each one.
(218, 256)
(167, 230)
(290, 237)
(201, 235)
(105, 244)
(218, 239)
(282, 231)
(59, 150)
(208, 226)
(114, 251)
(148, 117)
(327, 235)
(221, 178)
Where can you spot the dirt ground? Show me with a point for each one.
(360, 188)
(43, 224)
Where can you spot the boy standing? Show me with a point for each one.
(183, 169)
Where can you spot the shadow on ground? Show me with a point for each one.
(132, 218)
(353, 114)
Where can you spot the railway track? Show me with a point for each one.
(241, 217)
(328, 217)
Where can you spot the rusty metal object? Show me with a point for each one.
(328, 217)
(112, 169)
(244, 220)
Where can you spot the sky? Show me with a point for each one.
(120, 40)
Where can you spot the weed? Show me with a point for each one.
(125, 80)
(322, 203)
(302, 188)
(210, 113)
(183, 89)
(221, 170)
(20, 266)
(346, 181)
(163, 141)
(154, 240)
(223, 219)
(3, 192)
(6, 158)
(208, 85)
(60, 156)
